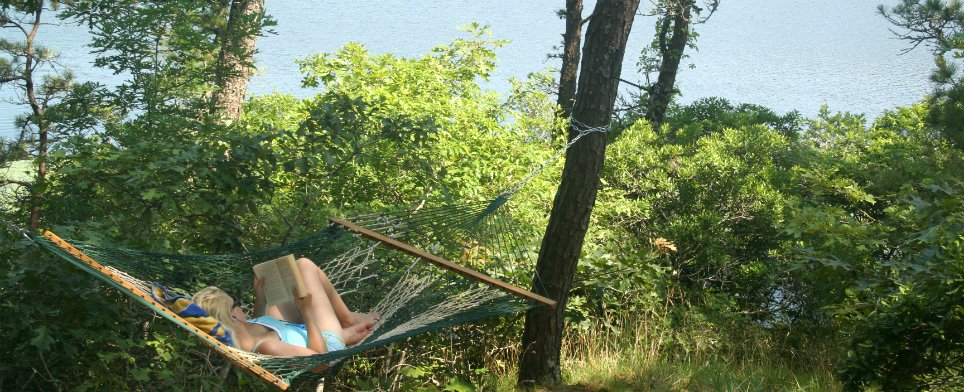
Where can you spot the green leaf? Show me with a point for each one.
(151, 194)
(413, 372)
(42, 340)
(140, 374)
(459, 384)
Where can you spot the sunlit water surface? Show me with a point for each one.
(783, 54)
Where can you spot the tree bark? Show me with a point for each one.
(596, 95)
(661, 93)
(570, 56)
(235, 60)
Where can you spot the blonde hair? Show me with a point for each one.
(218, 305)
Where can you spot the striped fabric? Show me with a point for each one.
(194, 314)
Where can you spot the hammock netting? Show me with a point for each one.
(413, 296)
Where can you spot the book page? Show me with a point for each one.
(281, 276)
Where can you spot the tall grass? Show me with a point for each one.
(647, 355)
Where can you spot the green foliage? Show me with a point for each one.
(169, 49)
(41, 86)
(772, 229)
(877, 223)
(906, 327)
(369, 112)
(854, 176)
(712, 115)
(148, 147)
(154, 172)
(714, 196)
(72, 334)
(687, 235)
(192, 184)
(389, 131)
(431, 377)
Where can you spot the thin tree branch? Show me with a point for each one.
(14, 182)
(627, 108)
(10, 23)
(11, 78)
(634, 84)
(714, 5)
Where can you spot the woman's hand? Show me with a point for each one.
(259, 301)
(258, 283)
(304, 303)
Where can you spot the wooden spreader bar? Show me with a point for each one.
(461, 270)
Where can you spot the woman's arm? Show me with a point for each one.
(282, 349)
(316, 343)
(259, 301)
(279, 348)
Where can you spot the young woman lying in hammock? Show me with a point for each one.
(317, 323)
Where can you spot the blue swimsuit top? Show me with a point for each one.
(296, 334)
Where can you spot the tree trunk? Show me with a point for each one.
(235, 60)
(661, 93)
(39, 184)
(570, 56)
(598, 82)
(40, 180)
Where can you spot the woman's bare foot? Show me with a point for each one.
(365, 318)
(356, 333)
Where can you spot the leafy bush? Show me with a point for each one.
(64, 330)
(906, 325)
(878, 221)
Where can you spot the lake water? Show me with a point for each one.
(783, 54)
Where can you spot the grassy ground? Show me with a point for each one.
(627, 372)
(630, 371)
(596, 362)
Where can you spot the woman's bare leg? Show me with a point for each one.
(327, 307)
(310, 271)
(346, 317)
(325, 312)
(285, 311)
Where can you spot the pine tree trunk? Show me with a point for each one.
(672, 54)
(40, 179)
(598, 82)
(570, 56)
(235, 59)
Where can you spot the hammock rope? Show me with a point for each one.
(581, 130)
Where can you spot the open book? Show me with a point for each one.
(281, 278)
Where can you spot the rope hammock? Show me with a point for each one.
(396, 264)
(413, 290)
